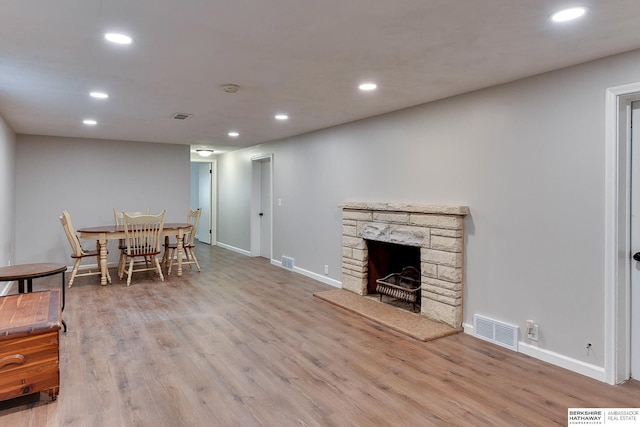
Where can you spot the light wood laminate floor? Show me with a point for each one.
(244, 343)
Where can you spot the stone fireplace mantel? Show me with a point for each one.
(437, 230)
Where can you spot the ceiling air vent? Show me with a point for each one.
(182, 116)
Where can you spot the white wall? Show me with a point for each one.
(7, 194)
(234, 203)
(526, 157)
(89, 178)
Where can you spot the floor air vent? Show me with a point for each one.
(287, 263)
(496, 332)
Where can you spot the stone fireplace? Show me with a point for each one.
(438, 232)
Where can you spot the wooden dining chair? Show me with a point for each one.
(119, 220)
(78, 252)
(143, 234)
(188, 246)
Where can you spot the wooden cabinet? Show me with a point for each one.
(29, 352)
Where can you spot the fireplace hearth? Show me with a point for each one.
(436, 233)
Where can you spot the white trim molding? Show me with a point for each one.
(617, 337)
(234, 249)
(315, 276)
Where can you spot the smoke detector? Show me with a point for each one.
(230, 88)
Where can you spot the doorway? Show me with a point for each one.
(621, 329)
(204, 196)
(635, 240)
(261, 206)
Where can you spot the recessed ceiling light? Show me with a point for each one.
(118, 38)
(368, 86)
(568, 14)
(89, 122)
(281, 117)
(233, 134)
(99, 95)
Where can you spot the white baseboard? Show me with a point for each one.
(587, 369)
(574, 365)
(234, 249)
(319, 277)
(315, 276)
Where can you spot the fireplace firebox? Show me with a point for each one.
(388, 258)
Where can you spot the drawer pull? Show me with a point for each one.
(18, 359)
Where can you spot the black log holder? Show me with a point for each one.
(403, 286)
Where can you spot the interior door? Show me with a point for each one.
(205, 177)
(265, 209)
(635, 241)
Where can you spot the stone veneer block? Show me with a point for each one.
(449, 274)
(354, 284)
(374, 231)
(410, 236)
(449, 259)
(353, 268)
(357, 215)
(429, 270)
(349, 230)
(445, 232)
(441, 312)
(360, 255)
(395, 217)
(448, 244)
(442, 284)
(402, 235)
(437, 221)
(440, 294)
(353, 242)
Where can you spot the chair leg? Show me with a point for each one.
(74, 271)
(171, 254)
(122, 260)
(130, 271)
(165, 257)
(195, 259)
(108, 275)
(155, 261)
(121, 267)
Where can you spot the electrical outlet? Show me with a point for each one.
(326, 269)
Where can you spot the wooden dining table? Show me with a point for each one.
(103, 233)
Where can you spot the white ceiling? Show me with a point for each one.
(301, 57)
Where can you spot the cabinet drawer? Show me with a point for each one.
(28, 364)
(30, 379)
(28, 350)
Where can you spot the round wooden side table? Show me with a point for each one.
(28, 272)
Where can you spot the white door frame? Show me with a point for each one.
(617, 263)
(256, 202)
(204, 234)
